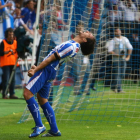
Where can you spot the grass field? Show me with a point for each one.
(102, 116)
(10, 130)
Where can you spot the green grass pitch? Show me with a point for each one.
(102, 116)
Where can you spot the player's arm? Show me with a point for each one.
(43, 64)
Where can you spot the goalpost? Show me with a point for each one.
(71, 95)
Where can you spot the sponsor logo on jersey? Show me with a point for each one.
(67, 51)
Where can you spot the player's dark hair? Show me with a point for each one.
(88, 47)
(7, 31)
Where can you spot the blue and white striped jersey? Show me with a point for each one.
(66, 50)
(6, 20)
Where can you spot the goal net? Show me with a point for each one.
(82, 90)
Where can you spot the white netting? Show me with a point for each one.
(73, 96)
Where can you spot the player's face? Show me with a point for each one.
(86, 34)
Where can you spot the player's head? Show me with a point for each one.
(88, 42)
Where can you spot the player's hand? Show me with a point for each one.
(33, 67)
(31, 72)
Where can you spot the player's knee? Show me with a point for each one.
(41, 100)
(27, 94)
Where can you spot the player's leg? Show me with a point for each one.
(43, 95)
(34, 85)
(50, 116)
(33, 107)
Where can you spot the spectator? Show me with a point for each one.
(41, 12)
(18, 3)
(5, 5)
(12, 7)
(27, 12)
(118, 48)
(129, 9)
(137, 17)
(6, 20)
(8, 57)
(61, 23)
(115, 15)
(32, 17)
(18, 18)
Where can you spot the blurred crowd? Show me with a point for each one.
(124, 14)
(23, 13)
(19, 17)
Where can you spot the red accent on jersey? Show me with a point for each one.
(77, 49)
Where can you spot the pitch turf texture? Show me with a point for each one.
(102, 116)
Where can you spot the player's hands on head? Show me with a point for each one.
(31, 72)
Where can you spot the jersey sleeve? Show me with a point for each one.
(65, 50)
